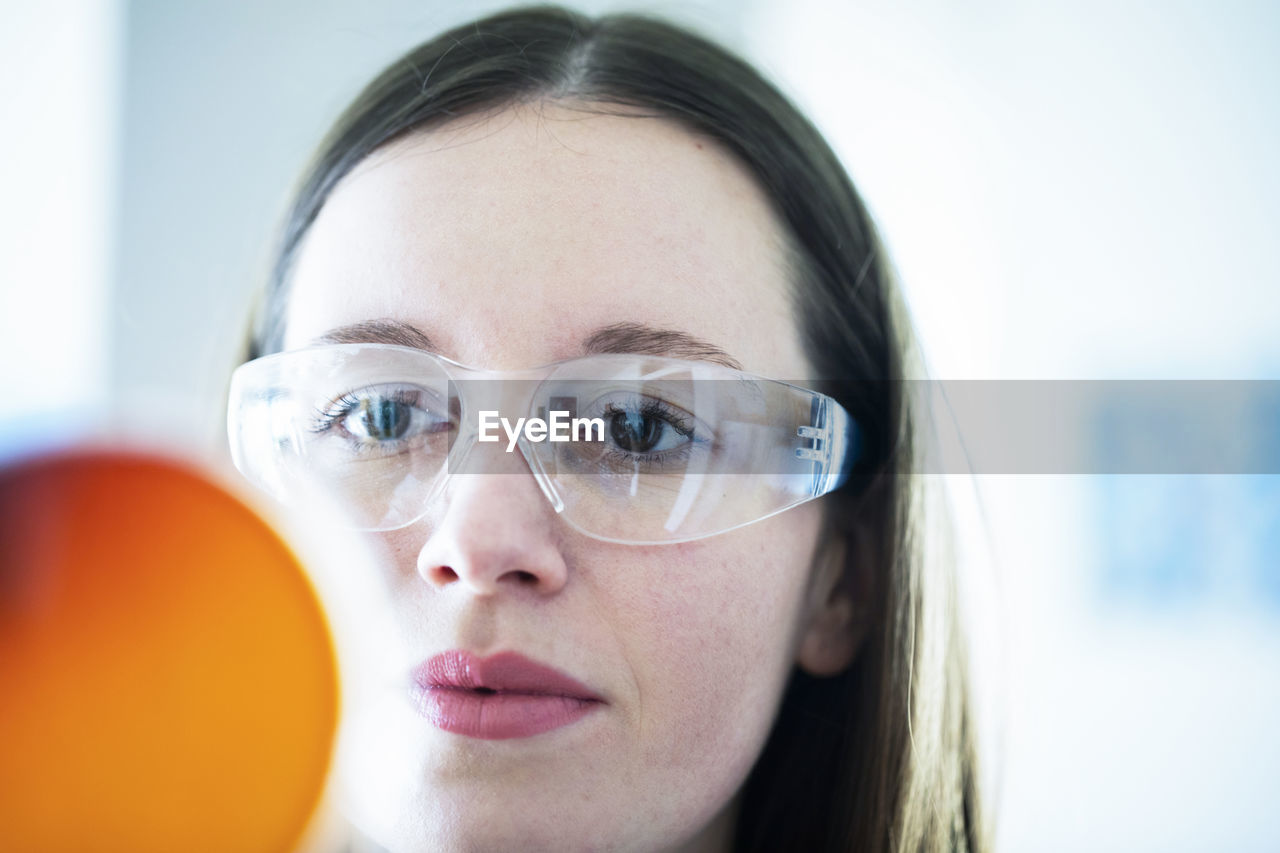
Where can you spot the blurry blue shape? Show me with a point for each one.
(1153, 537)
(1194, 538)
(1265, 413)
(33, 433)
(1263, 498)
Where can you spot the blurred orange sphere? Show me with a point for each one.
(167, 676)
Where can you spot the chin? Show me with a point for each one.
(408, 795)
(409, 787)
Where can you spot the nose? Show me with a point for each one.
(492, 533)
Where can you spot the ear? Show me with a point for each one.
(836, 616)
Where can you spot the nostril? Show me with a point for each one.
(444, 574)
(526, 577)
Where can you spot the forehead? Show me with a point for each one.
(511, 238)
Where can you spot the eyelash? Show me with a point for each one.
(652, 408)
(656, 409)
(329, 418)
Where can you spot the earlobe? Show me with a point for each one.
(837, 620)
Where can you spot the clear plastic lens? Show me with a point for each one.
(633, 430)
(384, 417)
(636, 449)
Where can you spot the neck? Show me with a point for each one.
(716, 836)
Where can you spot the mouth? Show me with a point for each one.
(500, 697)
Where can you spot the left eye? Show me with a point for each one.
(643, 425)
(643, 432)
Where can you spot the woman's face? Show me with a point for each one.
(508, 241)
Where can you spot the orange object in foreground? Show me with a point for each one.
(167, 677)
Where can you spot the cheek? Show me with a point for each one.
(711, 638)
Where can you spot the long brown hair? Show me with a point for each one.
(881, 756)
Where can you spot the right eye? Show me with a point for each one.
(380, 420)
(384, 418)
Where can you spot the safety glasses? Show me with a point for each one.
(632, 449)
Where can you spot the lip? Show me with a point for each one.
(503, 696)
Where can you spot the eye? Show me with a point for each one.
(649, 428)
(382, 419)
(643, 425)
(383, 416)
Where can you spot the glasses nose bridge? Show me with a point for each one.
(507, 393)
(492, 408)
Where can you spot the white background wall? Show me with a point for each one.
(1069, 189)
(59, 98)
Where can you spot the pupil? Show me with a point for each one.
(635, 432)
(385, 420)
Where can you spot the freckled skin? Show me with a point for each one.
(508, 239)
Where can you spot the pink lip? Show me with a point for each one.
(499, 697)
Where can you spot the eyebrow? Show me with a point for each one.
(378, 332)
(635, 338)
(647, 340)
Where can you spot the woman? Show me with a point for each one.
(540, 188)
